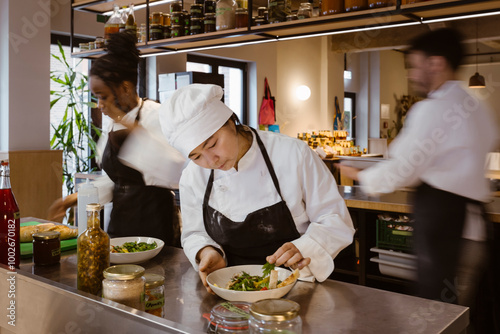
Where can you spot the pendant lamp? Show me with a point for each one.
(477, 80)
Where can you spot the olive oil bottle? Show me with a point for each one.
(93, 252)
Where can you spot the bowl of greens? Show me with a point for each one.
(128, 250)
(250, 283)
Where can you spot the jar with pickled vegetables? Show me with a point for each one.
(92, 252)
(155, 294)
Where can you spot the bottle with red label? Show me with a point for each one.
(10, 251)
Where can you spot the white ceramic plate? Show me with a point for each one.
(136, 257)
(222, 276)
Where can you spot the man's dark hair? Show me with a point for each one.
(445, 42)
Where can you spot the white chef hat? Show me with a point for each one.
(192, 115)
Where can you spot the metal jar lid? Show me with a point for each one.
(123, 272)
(93, 207)
(274, 309)
(153, 280)
(46, 235)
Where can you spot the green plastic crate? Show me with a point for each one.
(395, 235)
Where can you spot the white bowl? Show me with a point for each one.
(222, 276)
(136, 257)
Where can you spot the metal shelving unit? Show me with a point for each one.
(399, 15)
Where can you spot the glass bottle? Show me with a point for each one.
(130, 23)
(10, 248)
(124, 284)
(113, 23)
(275, 316)
(225, 14)
(278, 10)
(124, 15)
(92, 252)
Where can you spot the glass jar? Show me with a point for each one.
(175, 6)
(225, 14)
(305, 11)
(329, 7)
(124, 284)
(291, 17)
(166, 19)
(275, 316)
(196, 26)
(278, 10)
(167, 31)
(261, 10)
(99, 42)
(177, 31)
(155, 32)
(46, 248)
(84, 46)
(92, 252)
(210, 6)
(209, 22)
(380, 3)
(155, 294)
(241, 18)
(352, 5)
(186, 22)
(196, 11)
(176, 18)
(156, 18)
(229, 318)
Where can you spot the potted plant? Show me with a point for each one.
(73, 134)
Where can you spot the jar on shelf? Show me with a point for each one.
(114, 22)
(292, 17)
(229, 318)
(196, 10)
(186, 22)
(167, 31)
(99, 42)
(175, 6)
(225, 14)
(155, 294)
(84, 46)
(305, 11)
(46, 248)
(166, 19)
(92, 252)
(381, 3)
(125, 284)
(241, 18)
(275, 316)
(329, 7)
(196, 26)
(156, 18)
(177, 31)
(353, 5)
(261, 10)
(155, 32)
(209, 22)
(176, 18)
(278, 10)
(210, 6)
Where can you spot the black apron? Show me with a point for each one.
(260, 234)
(138, 209)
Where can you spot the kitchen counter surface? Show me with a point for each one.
(47, 301)
(399, 201)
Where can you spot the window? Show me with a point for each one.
(235, 80)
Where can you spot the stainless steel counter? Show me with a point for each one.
(47, 301)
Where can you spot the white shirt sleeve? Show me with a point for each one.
(331, 228)
(104, 187)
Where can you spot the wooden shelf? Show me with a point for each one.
(340, 23)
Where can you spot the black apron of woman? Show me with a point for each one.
(260, 234)
(138, 209)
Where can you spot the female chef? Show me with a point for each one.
(143, 202)
(248, 196)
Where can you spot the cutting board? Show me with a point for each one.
(27, 247)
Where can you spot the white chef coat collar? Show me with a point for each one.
(244, 162)
(129, 117)
(443, 89)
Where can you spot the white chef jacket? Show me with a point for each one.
(309, 189)
(145, 150)
(444, 143)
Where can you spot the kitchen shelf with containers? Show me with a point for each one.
(275, 22)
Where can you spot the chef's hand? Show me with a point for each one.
(348, 171)
(209, 260)
(57, 211)
(290, 256)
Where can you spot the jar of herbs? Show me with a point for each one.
(155, 294)
(275, 316)
(225, 15)
(125, 284)
(92, 252)
(229, 318)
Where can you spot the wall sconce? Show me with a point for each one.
(477, 80)
(303, 92)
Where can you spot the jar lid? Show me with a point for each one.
(231, 315)
(46, 235)
(274, 309)
(123, 272)
(93, 207)
(153, 280)
(195, 5)
(244, 10)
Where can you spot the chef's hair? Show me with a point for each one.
(444, 42)
(239, 127)
(121, 61)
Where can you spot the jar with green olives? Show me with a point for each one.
(92, 252)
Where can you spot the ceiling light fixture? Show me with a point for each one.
(477, 80)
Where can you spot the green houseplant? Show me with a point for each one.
(73, 133)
